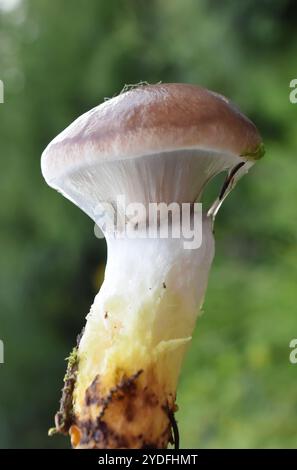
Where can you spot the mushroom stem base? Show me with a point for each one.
(134, 414)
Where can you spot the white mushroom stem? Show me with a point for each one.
(142, 320)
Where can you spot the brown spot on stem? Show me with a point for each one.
(113, 420)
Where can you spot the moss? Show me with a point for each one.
(132, 86)
(64, 418)
(72, 364)
(255, 154)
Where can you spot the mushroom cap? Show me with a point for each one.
(148, 120)
(153, 143)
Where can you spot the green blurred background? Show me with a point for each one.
(57, 60)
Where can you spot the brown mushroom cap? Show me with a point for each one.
(152, 119)
(154, 143)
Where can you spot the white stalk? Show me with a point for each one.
(142, 319)
(146, 308)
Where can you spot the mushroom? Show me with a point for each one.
(152, 144)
